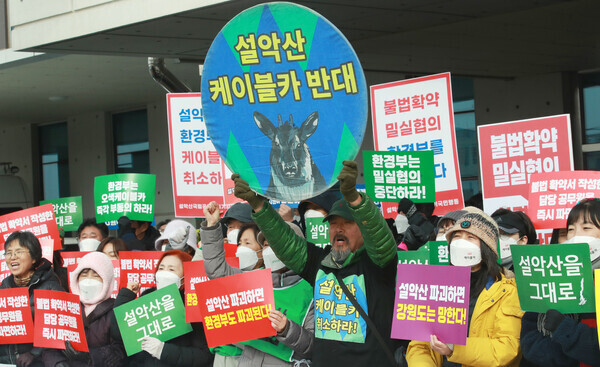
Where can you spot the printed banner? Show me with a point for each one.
(57, 320)
(16, 323)
(317, 231)
(553, 195)
(335, 316)
(124, 194)
(197, 170)
(414, 115)
(510, 152)
(159, 314)
(285, 100)
(413, 257)
(236, 308)
(194, 274)
(67, 211)
(392, 176)
(432, 299)
(38, 220)
(554, 276)
(139, 266)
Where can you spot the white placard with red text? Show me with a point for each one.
(417, 114)
(510, 152)
(198, 172)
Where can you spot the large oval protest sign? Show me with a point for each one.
(284, 98)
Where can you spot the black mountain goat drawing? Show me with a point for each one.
(294, 175)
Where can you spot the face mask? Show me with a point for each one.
(89, 288)
(248, 258)
(311, 213)
(441, 237)
(464, 253)
(89, 244)
(593, 242)
(164, 278)
(232, 236)
(505, 255)
(401, 223)
(271, 260)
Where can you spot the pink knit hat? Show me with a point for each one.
(101, 264)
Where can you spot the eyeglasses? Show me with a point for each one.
(18, 253)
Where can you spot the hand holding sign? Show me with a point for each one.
(242, 190)
(347, 180)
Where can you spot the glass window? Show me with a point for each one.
(466, 134)
(591, 161)
(132, 150)
(590, 90)
(54, 155)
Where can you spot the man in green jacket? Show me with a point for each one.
(362, 254)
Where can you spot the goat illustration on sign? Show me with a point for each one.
(294, 175)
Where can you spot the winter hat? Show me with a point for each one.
(238, 211)
(478, 223)
(407, 207)
(453, 215)
(341, 209)
(101, 264)
(324, 200)
(179, 233)
(261, 237)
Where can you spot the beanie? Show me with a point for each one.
(479, 224)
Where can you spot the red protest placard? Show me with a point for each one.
(117, 272)
(58, 319)
(198, 172)
(236, 308)
(38, 220)
(510, 152)
(47, 248)
(194, 274)
(139, 266)
(553, 195)
(16, 324)
(71, 257)
(417, 114)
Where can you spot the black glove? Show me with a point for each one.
(347, 180)
(75, 355)
(25, 359)
(553, 319)
(242, 190)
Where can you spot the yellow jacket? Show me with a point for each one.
(494, 333)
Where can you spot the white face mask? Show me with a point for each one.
(441, 237)
(271, 260)
(89, 244)
(593, 242)
(90, 288)
(464, 253)
(232, 236)
(248, 258)
(311, 213)
(164, 278)
(401, 223)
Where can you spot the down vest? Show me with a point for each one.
(494, 332)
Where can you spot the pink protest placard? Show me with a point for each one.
(198, 172)
(432, 299)
(57, 320)
(510, 152)
(16, 323)
(38, 220)
(417, 114)
(139, 266)
(553, 195)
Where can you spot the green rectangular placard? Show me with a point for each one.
(317, 231)
(440, 254)
(124, 194)
(160, 314)
(392, 176)
(554, 276)
(413, 257)
(68, 212)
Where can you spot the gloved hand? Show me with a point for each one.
(242, 190)
(553, 319)
(75, 355)
(347, 178)
(178, 239)
(153, 346)
(25, 359)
